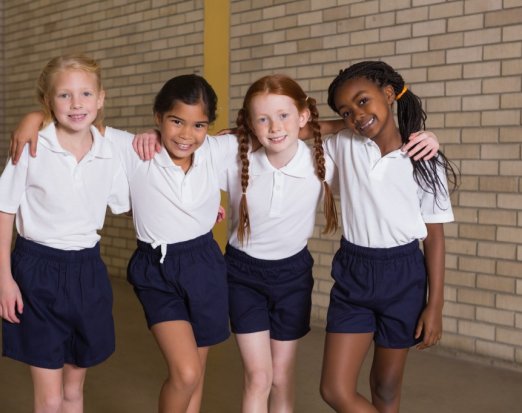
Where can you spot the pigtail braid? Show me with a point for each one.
(243, 133)
(329, 207)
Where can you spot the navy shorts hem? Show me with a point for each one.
(152, 322)
(214, 341)
(54, 366)
(278, 337)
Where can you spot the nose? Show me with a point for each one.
(275, 125)
(76, 102)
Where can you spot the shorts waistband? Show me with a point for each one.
(177, 247)
(56, 254)
(380, 253)
(244, 257)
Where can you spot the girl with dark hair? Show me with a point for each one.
(389, 202)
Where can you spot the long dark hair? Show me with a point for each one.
(410, 116)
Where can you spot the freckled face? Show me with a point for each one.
(366, 108)
(183, 130)
(75, 100)
(275, 120)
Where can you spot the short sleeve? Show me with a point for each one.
(13, 183)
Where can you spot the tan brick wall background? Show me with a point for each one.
(464, 58)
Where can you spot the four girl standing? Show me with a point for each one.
(267, 323)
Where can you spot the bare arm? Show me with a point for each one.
(430, 322)
(25, 132)
(10, 296)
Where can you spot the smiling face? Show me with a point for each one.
(275, 121)
(367, 108)
(183, 130)
(75, 100)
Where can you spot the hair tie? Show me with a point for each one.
(307, 97)
(403, 91)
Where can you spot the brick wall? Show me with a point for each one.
(464, 58)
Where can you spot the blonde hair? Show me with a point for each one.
(281, 85)
(45, 84)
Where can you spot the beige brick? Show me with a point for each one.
(511, 67)
(504, 151)
(496, 283)
(464, 54)
(323, 29)
(465, 23)
(502, 51)
(501, 117)
(479, 232)
(510, 134)
(473, 296)
(503, 18)
(481, 135)
(512, 33)
(430, 28)
(435, 58)
(479, 6)
(498, 184)
(365, 8)
(510, 201)
(480, 167)
(511, 168)
(379, 20)
(463, 119)
(481, 70)
(283, 23)
(412, 14)
(413, 45)
(446, 41)
(379, 49)
(322, 4)
(479, 265)
(497, 250)
(309, 18)
(447, 9)
(481, 102)
(463, 151)
(510, 268)
(492, 316)
(274, 11)
(449, 325)
(509, 302)
(444, 73)
(364, 37)
(475, 329)
(511, 100)
(395, 32)
(497, 217)
(499, 351)
(503, 84)
(460, 278)
(509, 336)
(459, 311)
(468, 215)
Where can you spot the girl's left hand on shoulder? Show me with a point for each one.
(430, 327)
(146, 144)
(422, 145)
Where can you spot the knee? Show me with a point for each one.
(49, 404)
(186, 379)
(331, 393)
(259, 381)
(73, 394)
(385, 390)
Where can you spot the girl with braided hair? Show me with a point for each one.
(389, 202)
(269, 265)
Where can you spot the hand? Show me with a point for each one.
(25, 132)
(146, 144)
(422, 145)
(221, 214)
(10, 300)
(227, 132)
(430, 326)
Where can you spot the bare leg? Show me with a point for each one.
(282, 394)
(386, 378)
(257, 362)
(48, 389)
(176, 341)
(342, 361)
(195, 400)
(73, 380)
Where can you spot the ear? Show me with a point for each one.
(389, 93)
(157, 119)
(304, 117)
(101, 99)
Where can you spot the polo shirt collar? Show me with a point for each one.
(259, 163)
(101, 147)
(393, 154)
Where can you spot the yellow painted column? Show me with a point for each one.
(216, 70)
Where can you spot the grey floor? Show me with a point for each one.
(129, 381)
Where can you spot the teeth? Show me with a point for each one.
(278, 139)
(183, 146)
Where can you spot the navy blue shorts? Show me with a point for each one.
(189, 285)
(67, 317)
(273, 295)
(378, 290)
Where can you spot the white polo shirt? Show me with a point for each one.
(59, 202)
(169, 205)
(281, 204)
(382, 205)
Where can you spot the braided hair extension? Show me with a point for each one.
(279, 84)
(410, 116)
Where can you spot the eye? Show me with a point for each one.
(176, 122)
(200, 125)
(87, 94)
(362, 101)
(261, 120)
(63, 95)
(345, 115)
(284, 115)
